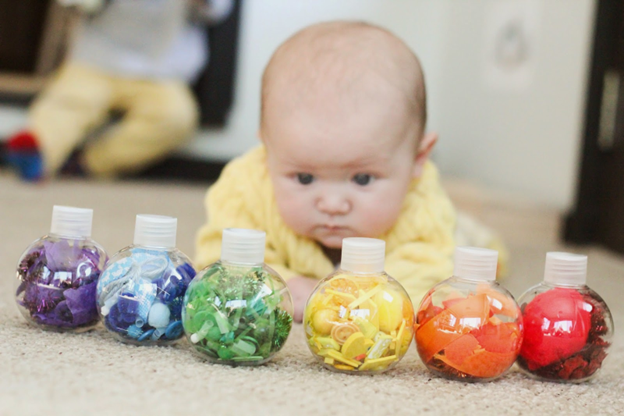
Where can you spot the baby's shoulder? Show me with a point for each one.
(245, 177)
(246, 169)
(252, 160)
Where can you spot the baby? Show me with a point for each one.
(344, 154)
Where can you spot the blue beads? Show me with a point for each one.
(176, 308)
(187, 273)
(128, 307)
(174, 330)
(141, 292)
(159, 315)
(146, 335)
(114, 320)
(134, 331)
(158, 332)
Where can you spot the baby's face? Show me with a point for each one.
(340, 173)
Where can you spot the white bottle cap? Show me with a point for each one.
(155, 231)
(474, 263)
(363, 255)
(240, 245)
(71, 222)
(565, 268)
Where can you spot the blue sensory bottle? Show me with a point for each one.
(142, 287)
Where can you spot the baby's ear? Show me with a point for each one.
(424, 150)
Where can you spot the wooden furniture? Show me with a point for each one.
(598, 212)
(34, 37)
(33, 40)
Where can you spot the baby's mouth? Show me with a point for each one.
(333, 228)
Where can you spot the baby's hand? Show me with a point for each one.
(300, 288)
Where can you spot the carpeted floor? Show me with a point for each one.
(45, 373)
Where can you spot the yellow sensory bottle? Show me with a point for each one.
(359, 319)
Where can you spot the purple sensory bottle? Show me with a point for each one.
(57, 275)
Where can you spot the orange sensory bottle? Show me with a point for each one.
(359, 319)
(468, 327)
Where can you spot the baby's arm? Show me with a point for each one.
(239, 199)
(419, 266)
(301, 288)
(209, 249)
(230, 203)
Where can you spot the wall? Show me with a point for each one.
(517, 134)
(524, 135)
(517, 130)
(267, 23)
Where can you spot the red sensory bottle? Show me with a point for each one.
(568, 326)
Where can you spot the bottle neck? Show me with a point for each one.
(152, 248)
(240, 264)
(68, 237)
(359, 273)
(564, 285)
(475, 280)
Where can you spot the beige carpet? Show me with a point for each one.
(45, 373)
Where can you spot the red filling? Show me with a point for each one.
(562, 335)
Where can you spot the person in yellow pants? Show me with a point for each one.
(137, 58)
(158, 116)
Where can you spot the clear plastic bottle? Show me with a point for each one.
(142, 287)
(58, 273)
(359, 319)
(468, 327)
(238, 311)
(568, 327)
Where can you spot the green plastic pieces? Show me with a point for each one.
(237, 315)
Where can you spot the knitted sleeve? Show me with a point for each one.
(240, 198)
(419, 267)
(420, 245)
(225, 205)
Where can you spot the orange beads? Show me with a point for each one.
(468, 327)
(465, 338)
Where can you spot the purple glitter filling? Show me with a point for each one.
(58, 283)
(81, 303)
(60, 256)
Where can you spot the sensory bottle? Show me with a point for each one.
(58, 273)
(468, 327)
(359, 319)
(142, 287)
(567, 326)
(238, 311)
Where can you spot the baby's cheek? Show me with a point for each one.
(380, 215)
(293, 211)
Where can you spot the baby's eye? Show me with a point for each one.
(305, 178)
(363, 179)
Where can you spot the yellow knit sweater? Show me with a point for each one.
(419, 246)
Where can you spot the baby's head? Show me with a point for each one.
(343, 118)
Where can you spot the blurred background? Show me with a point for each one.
(524, 93)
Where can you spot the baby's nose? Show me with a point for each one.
(333, 204)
